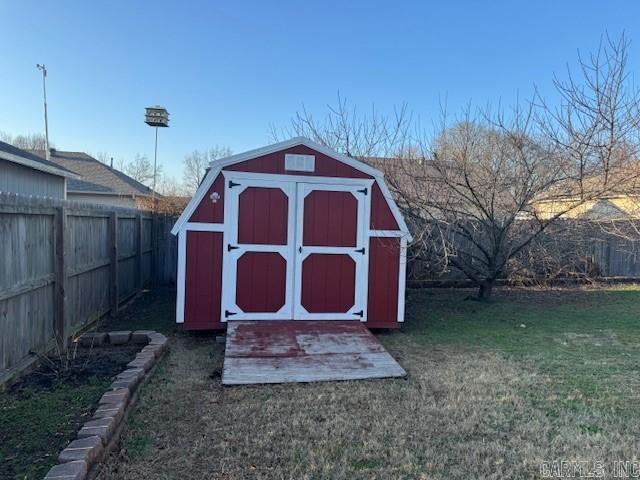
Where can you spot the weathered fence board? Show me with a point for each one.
(61, 263)
(575, 249)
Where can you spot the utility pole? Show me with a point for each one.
(43, 69)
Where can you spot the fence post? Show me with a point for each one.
(140, 276)
(113, 243)
(60, 269)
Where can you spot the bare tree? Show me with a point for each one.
(104, 157)
(597, 127)
(168, 185)
(356, 135)
(492, 173)
(472, 191)
(31, 141)
(196, 164)
(140, 169)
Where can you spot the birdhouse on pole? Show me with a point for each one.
(156, 116)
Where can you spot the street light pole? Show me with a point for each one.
(43, 69)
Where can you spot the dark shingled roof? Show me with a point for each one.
(18, 152)
(96, 176)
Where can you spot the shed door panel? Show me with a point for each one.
(258, 260)
(331, 257)
(330, 219)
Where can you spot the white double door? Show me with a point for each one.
(295, 248)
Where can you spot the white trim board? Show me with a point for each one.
(181, 280)
(27, 162)
(218, 165)
(204, 227)
(402, 278)
(286, 178)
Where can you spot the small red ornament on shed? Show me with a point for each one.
(292, 231)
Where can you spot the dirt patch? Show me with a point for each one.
(77, 367)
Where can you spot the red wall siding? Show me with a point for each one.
(384, 269)
(274, 163)
(203, 281)
(381, 216)
(207, 211)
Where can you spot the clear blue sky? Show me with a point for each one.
(226, 71)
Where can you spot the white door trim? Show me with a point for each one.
(361, 259)
(276, 177)
(230, 257)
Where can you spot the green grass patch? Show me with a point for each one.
(36, 424)
(582, 345)
(43, 412)
(152, 310)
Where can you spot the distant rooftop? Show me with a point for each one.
(24, 157)
(96, 177)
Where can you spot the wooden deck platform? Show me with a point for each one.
(303, 351)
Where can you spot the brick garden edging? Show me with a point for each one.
(99, 435)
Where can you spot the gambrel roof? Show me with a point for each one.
(218, 165)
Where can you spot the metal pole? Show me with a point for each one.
(43, 68)
(155, 161)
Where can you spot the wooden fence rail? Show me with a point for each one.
(64, 265)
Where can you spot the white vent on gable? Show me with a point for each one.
(299, 163)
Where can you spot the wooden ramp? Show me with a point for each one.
(274, 351)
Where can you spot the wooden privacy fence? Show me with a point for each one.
(64, 265)
(572, 250)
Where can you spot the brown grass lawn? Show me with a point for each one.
(493, 390)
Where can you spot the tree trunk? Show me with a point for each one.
(486, 289)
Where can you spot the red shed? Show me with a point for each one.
(291, 231)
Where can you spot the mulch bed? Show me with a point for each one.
(85, 363)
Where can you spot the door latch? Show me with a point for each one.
(300, 249)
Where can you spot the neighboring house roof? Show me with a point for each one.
(28, 159)
(96, 177)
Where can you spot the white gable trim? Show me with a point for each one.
(195, 200)
(218, 165)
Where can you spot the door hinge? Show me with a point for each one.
(233, 184)
(360, 313)
(227, 313)
(360, 250)
(231, 247)
(365, 190)
(300, 249)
